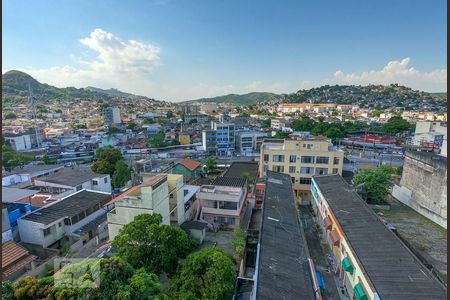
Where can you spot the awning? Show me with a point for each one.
(328, 223)
(347, 265)
(334, 237)
(359, 292)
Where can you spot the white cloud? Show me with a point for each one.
(116, 64)
(395, 72)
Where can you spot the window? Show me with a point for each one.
(78, 188)
(335, 170)
(293, 179)
(47, 231)
(279, 169)
(307, 159)
(292, 158)
(94, 182)
(277, 158)
(59, 224)
(291, 169)
(266, 157)
(105, 179)
(336, 160)
(321, 171)
(306, 170)
(322, 160)
(304, 180)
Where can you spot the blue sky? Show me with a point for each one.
(179, 50)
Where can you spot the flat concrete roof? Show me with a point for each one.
(71, 177)
(12, 195)
(393, 270)
(283, 271)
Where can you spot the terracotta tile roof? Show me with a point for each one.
(14, 258)
(190, 163)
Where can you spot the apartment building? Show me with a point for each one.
(249, 141)
(223, 202)
(370, 260)
(162, 193)
(301, 159)
(219, 140)
(111, 115)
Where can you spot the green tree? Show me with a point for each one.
(175, 142)
(122, 174)
(376, 182)
(158, 140)
(265, 124)
(111, 278)
(7, 290)
(131, 125)
(147, 243)
(142, 285)
(304, 123)
(148, 121)
(210, 164)
(10, 115)
(114, 129)
(102, 166)
(193, 121)
(107, 157)
(11, 158)
(397, 124)
(281, 135)
(169, 115)
(206, 274)
(30, 288)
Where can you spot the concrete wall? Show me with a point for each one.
(423, 186)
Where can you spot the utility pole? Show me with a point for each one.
(33, 109)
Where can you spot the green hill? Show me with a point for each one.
(245, 99)
(15, 85)
(110, 92)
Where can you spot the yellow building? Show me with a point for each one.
(301, 159)
(162, 193)
(184, 139)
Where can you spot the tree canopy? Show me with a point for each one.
(122, 174)
(107, 157)
(206, 274)
(158, 140)
(210, 164)
(376, 182)
(102, 279)
(12, 158)
(147, 243)
(397, 124)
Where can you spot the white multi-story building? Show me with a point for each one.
(430, 133)
(162, 193)
(220, 139)
(19, 142)
(111, 116)
(249, 141)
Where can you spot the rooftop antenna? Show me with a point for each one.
(32, 100)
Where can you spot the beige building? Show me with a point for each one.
(162, 193)
(301, 159)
